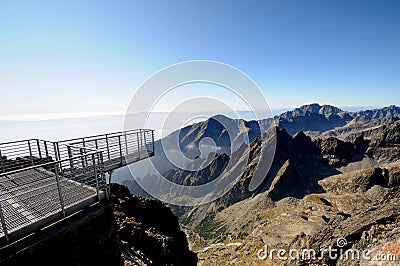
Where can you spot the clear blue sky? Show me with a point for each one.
(73, 57)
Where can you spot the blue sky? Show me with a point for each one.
(69, 58)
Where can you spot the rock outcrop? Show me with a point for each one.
(317, 191)
(358, 181)
(283, 183)
(385, 145)
(371, 230)
(21, 162)
(149, 232)
(330, 170)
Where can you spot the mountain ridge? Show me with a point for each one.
(329, 166)
(314, 120)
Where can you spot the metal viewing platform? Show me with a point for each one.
(43, 181)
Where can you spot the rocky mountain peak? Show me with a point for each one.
(286, 178)
(329, 109)
(391, 111)
(301, 136)
(313, 108)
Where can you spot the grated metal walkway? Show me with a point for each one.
(42, 181)
(32, 196)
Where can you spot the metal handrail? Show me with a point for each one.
(108, 134)
(59, 165)
(47, 164)
(79, 138)
(45, 184)
(38, 151)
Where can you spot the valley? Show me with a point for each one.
(320, 180)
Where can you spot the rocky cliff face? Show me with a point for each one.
(296, 168)
(373, 228)
(313, 118)
(316, 189)
(385, 143)
(361, 207)
(316, 121)
(299, 162)
(331, 175)
(149, 232)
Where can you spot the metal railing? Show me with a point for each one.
(43, 181)
(118, 148)
(25, 153)
(41, 194)
(119, 145)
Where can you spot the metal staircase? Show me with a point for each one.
(43, 181)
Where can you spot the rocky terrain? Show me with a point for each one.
(360, 207)
(329, 121)
(316, 121)
(148, 231)
(335, 175)
(317, 191)
(333, 185)
(21, 162)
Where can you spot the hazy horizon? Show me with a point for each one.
(57, 116)
(66, 128)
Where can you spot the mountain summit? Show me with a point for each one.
(314, 120)
(313, 108)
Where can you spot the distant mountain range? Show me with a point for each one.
(314, 120)
(331, 173)
(326, 120)
(341, 138)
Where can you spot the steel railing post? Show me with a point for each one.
(138, 143)
(100, 160)
(126, 144)
(59, 191)
(30, 152)
(83, 160)
(3, 225)
(120, 147)
(152, 140)
(145, 142)
(47, 151)
(142, 136)
(57, 153)
(70, 155)
(108, 148)
(108, 186)
(2, 163)
(40, 152)
(95, 176)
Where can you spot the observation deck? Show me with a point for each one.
(43, 181)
